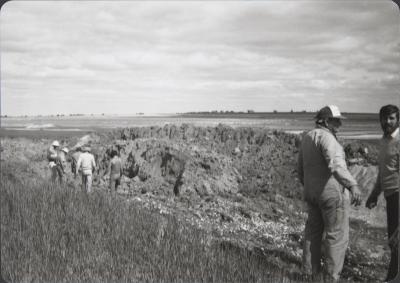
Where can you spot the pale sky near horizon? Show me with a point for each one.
(167, 57)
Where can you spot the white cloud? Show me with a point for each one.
(249, 54)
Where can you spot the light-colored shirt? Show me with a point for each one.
(61, 156)
(52, 154)
(62, 159)
(322, 165)
(388, 164)
(86, 161)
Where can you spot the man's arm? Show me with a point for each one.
(335, 158)
(60, 163)
(52, 155)
(108, 169)
(373, 196)
(78, 165)
(300, 169)
(93, 164)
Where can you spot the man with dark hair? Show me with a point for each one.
(388, 180)
(323, 172)
(115, 169)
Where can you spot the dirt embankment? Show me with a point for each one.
(241, 185)
(238, 184)
(204, 161)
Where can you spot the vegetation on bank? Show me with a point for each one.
(52, 233)
(57, 234)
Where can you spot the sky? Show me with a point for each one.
(63, 57)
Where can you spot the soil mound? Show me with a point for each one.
(173, 168)
(203, 161)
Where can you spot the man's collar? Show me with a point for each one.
(395, 133)
(392, 135)
(318, 126)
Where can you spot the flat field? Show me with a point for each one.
(358, 125)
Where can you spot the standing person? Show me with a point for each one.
(86, 160)
(52, 155)
(61, 163)
(323, 173)
(64, 158)
(388, 180)
(115, 169)
(74, 161)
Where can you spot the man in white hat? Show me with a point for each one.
(327, 182)
(52, 155)
(86, 161)
(62, 159)
(61, 162)
(52, 151)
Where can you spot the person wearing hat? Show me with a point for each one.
(61, 163)
(52, 151)
(52, 155)
(327, 182)
(388, 181)
(86, 161)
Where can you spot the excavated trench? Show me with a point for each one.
(238, 183)
(205, 160)
(202, 161)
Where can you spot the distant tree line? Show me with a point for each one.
(242, 112)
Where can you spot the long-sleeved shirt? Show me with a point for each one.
(322, 165)
(86, 161)
(52, 154)
(388, 164)
(61, 160)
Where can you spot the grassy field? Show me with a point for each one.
(52, 233)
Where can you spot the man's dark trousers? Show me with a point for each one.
(392, 214)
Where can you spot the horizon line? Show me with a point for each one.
(212, 112)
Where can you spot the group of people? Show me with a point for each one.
(83, 163)
(329, 189)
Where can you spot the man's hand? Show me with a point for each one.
(371, 201)
(355, 195)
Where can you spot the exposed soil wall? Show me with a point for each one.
(229, 157)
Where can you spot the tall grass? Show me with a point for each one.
(53, 233)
